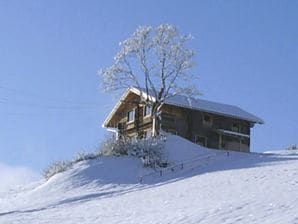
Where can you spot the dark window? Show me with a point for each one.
(245, 128)
(147, 110)
(207, 119)
(131, 115)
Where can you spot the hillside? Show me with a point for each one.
(214, 188)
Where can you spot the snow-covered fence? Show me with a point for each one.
(186, 164)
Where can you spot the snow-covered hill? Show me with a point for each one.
(212, 188)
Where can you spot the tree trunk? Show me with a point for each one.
(156, 123)
(156, 126)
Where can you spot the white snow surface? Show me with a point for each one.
(205, 105)
(239, 188)
(213, 107)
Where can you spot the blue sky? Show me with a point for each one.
(50, 102)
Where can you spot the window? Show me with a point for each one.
(207, 120)
(131, 116)
(147, 110)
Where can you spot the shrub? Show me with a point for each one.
(56, 167)
(63, 165)
(150, 151)
(80, 156)
(114, 147)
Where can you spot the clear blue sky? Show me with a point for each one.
(50, 102)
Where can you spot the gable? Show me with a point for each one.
(127, 102)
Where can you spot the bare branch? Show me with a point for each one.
(156, 59)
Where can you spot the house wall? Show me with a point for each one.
(187, 123)
(190, 124)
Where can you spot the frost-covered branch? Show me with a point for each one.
(155, 58)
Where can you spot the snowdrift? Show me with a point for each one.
(239, 188)
(124, 169)
(179, 149)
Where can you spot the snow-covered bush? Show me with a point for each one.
(80, 156)
(114, 147)
(150, 151)
(60, 166)
(56, 167)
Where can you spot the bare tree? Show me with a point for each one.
(156, 60)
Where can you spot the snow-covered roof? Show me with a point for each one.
(213, 107)
(195, 104)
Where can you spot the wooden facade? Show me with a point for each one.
(207, 129)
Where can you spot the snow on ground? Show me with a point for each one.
(179, 149)
(282, 152)
(239, 188)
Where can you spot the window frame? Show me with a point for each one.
(134, 115)
(145, 110)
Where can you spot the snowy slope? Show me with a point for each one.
(239, 188)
